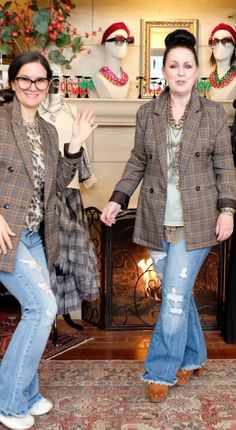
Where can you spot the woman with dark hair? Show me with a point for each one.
(32, 170)
(182, 154)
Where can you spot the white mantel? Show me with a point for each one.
(111, 111)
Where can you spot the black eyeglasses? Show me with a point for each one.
(25, 83)
(226, 41)
(120, 40)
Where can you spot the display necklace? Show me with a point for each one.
(54, 109)
(113, 78)
(217, 82)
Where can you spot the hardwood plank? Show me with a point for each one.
(127, 344)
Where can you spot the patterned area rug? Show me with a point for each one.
(65, 342)
(108, 395)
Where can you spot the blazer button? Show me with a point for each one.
(197, 154)
(10, 169)
(151, 190)
(198, 188)
(6, 206)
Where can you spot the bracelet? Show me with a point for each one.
(228, 211)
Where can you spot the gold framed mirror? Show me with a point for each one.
(153, 33)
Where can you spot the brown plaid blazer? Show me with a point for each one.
(207, 174)
(16, 179)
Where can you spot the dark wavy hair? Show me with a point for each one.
(19, 61)
(180, 38)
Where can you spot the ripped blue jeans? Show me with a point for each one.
(177, 340)
(29, 283)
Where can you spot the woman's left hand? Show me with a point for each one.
(83, 126)
(224, 227)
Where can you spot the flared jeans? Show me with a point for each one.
(29, 283)
(177, 340)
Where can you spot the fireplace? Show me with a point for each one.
(130, 293)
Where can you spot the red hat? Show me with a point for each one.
(226, 27)
(112, 28)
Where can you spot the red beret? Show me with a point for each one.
(226, 27)
(112, 28)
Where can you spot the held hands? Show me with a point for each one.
(224, 227)
(5, 236)
(83, 126)
(109, 213)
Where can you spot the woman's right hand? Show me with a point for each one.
(5, 236)
(110, 212)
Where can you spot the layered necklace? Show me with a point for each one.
(55, 109)
(174, 144)
(217, 82)
(113, 78)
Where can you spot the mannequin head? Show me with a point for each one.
(116, 39)
(222, 42)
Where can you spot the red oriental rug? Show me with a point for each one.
(65, 342)
(108, 395)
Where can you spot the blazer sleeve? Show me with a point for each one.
(223, 162)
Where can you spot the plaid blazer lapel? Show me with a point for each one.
(21, 138)
(190, 131)
(159, 126)
(49, 160)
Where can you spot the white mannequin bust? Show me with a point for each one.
(222, 55)
(62, 115)
(111, 81)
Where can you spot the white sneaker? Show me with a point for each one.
(17, 423)
(41, 407)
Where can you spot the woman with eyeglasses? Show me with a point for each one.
(31, 171)
(223, 78)
(183, 159)
(111, 81)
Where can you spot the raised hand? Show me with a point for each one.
(83, 126)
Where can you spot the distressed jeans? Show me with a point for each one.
(177, 340)
(29, 283)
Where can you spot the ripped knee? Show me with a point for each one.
(176, 302)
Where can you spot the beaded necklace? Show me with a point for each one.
(111, 76)
(217, 82)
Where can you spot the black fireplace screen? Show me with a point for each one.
(130, 293)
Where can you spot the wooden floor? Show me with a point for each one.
(126, 344)
(131, 344)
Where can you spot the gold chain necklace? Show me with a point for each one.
(177, 124)
(174, 143)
